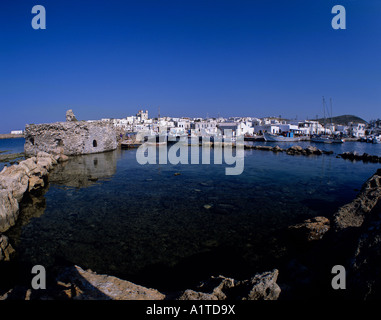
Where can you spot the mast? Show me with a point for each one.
(324, 114)
(330, 101)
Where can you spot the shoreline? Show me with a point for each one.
(10, 136)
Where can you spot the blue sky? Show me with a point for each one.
(190, 58)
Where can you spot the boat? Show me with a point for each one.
(326, 139)
(376, 140)
(279, 138)
(128, 144)
(321, 139)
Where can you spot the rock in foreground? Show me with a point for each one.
(79, 284)
(354, 213)
(260, 287)
(74, 283)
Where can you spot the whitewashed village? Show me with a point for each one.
(272, 128)
(250, 127)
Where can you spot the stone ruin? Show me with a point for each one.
(70, 116)
(72, 137)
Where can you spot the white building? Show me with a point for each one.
(310, 127)
(244, 128)
(270, 128)
(203, 127)
(356, 129)
(141, 115)
(273, 121)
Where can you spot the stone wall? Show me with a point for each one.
(70, 138)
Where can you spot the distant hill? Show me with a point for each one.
(343, 120)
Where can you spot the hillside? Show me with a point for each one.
(343, 119)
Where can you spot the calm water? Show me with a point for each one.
(146, 224)
(11, 146)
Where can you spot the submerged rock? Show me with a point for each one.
(312, 150)
(277, 149)
(353, 156)
(10, 157)
(311, 229)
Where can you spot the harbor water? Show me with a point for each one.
(9, 146)
(12, 145)
(170, 226)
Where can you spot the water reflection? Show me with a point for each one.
(80, 172)
(84, 171)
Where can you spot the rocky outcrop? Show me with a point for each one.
(16, 180)
(74, 283)
(215, 288)
(79, 284)
(354, 156)
(310, 229)
(357, 239)
(70, 138)
(260, 287)
(294, 150)
(354, 213)
(364, 270)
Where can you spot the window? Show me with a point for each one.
(95, 143)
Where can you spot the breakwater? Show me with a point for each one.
(354, 156)
(16, 180)
(310, 150)
(293, 150)
(10, 136)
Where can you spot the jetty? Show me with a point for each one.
(11, 136)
